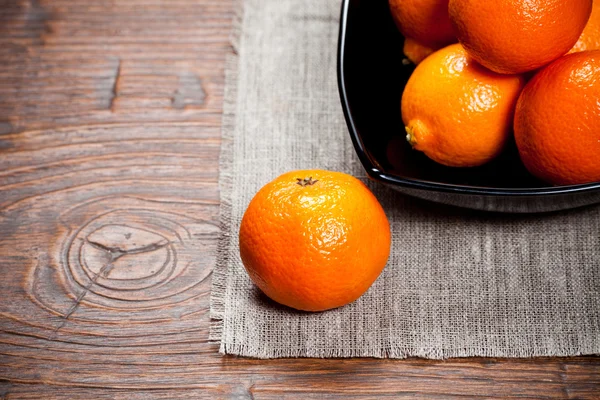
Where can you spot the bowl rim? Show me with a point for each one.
(377, 173)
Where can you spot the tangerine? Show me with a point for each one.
(557, 120)
(425, 21)
(516, 36)
(314, 240)
(456, 111)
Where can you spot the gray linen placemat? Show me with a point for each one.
(458, 283)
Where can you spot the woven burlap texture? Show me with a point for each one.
(458, 283)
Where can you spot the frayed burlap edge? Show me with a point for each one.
(400, 352)
(219, 276)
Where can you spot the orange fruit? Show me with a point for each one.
(415, 51)
(515, 36)
(425, 21)
(590, 37)
(557, 121)
(314, 240)
(457, 112)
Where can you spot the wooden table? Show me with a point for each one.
(110, 115)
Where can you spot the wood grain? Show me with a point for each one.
(110, 117)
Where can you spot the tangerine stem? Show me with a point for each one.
(410, 136)
(306, 181)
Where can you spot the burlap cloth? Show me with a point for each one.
(458, 283)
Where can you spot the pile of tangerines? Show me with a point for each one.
(488, 69)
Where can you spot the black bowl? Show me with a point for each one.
(372, 73)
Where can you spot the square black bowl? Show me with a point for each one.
(372, 73)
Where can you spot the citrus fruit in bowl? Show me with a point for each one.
(557, 120)
(516, 36)
(372, 77)
(457, 112)
(426, 25)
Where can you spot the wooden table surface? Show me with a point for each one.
(110, 114)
